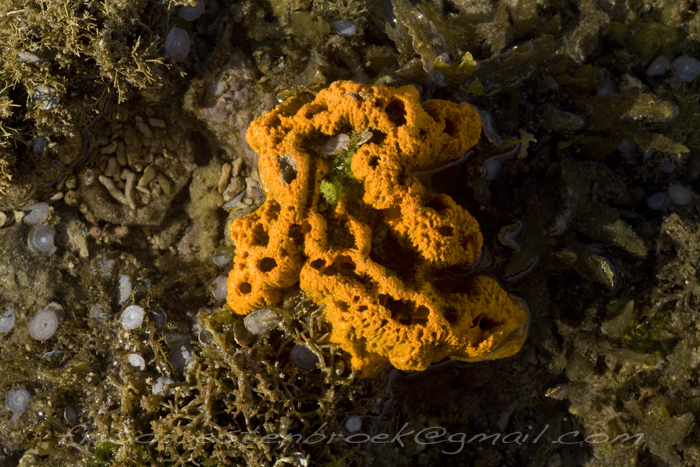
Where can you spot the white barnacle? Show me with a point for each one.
(40, 239)
(132, 317)
(44, 324)
(177, 44)
(7, 320)
(221, 258)
(261, 321)
(335, 145)
(106, 266)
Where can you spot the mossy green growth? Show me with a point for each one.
(340, 180)
(104, 454)
(645, 336)
(652, 39)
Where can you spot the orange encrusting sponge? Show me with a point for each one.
(370, 255)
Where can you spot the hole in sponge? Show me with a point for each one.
(420, 316)
(450, 128)
(317, 264)
(260, 237)
(273, 210)
(451, 315)
(267, 264)
(312, 110)
(288, 169)
(341, 264)
(405, 311)
(245, 288)
(275, 122)
(390, 251)
(484, 323)
(437, 204)
(378, 137)
(396, 112)
(374, 162)
(446, 231)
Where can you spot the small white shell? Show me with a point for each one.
(687, 69)
(37, 213)
(658, 200)
(124, 289)
(679, 194)
(492, 167)
(191, 13)
(353, 424)
(137, 361)
(70, 415)
(43, 325)
(40, 145)
(658, 66)
(159, 317)
(177, 44)
(607, 87)
(132, 317)
(161, 385)
(26, 57)
(17, 400)
(99, 313)
(7, 320)
(58, 309)
(626, 145)
(219, 288)
(180, 358)
(303, 357)
(220, 258)
(40, 240)
(300, 460)
(345, 28)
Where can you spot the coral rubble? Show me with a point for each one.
(346, 218)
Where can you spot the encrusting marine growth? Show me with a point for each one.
(346, 219)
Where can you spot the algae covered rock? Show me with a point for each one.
(370, 253)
